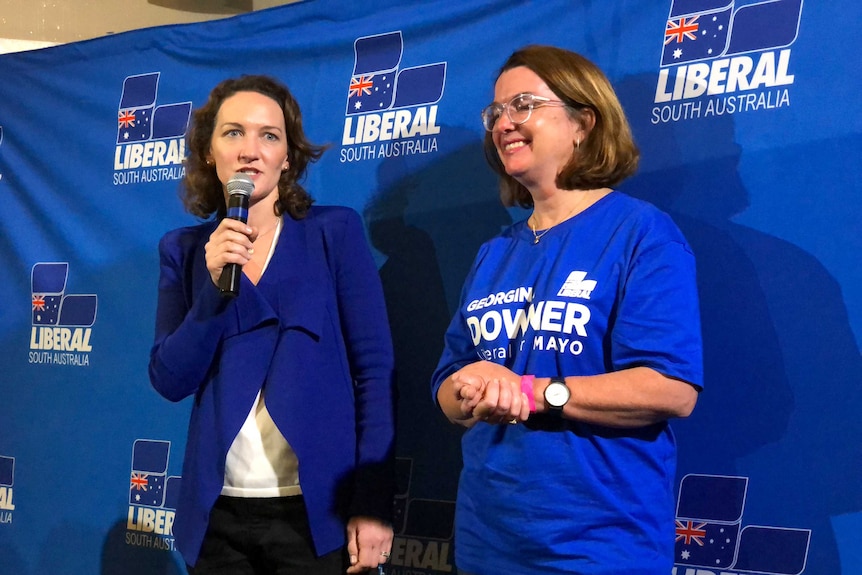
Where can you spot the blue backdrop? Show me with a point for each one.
(747, 116)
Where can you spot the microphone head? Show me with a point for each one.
(241, 184)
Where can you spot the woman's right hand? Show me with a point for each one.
(230, 243)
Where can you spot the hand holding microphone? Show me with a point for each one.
(239, 189)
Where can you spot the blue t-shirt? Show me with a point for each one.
(611, 288)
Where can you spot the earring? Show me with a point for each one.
(578, 144)
(209, 162)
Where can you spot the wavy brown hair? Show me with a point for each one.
(202, 192)
(607, 156)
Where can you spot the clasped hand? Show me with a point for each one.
(489, 392)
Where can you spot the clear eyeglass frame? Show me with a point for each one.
(519, 109)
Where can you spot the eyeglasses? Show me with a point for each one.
(518, 109)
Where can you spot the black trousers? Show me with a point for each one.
(267, 536)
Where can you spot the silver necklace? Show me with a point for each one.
(537, 235)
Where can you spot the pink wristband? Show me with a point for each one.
(527, 389)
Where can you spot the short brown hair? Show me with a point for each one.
(202, 192)
(607, 157)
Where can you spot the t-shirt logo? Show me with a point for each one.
(577, 286)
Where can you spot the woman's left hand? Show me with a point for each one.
(491, 393)
(502, 402)
(369, 543)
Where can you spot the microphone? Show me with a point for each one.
(239, 189)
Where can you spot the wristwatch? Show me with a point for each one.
(557, 394)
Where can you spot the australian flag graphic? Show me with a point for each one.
(709, 531)
(51, 305)
(708, 519)
(149, 470)
(377, 84)
(138, 117)
(704, 29)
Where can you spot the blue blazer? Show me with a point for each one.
(314, 333)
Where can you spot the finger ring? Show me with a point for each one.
(385, 554)
(513, 421)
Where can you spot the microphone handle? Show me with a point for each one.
(228, 282)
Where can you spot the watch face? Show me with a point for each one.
(556, 394)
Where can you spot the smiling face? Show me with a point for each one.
(533, 152)
(249, 136)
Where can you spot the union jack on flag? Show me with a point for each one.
(360, 85)
(690, 532)
(126, 118)
(681, 29)
(39, 302)
(140, 482)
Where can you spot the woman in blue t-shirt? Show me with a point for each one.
(576, 340)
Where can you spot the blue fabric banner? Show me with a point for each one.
(746, 112)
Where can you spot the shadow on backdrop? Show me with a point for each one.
(13, 562)
(689, 171)
(429, 221)
(66, 551)
(781, 397)
(121, 558)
